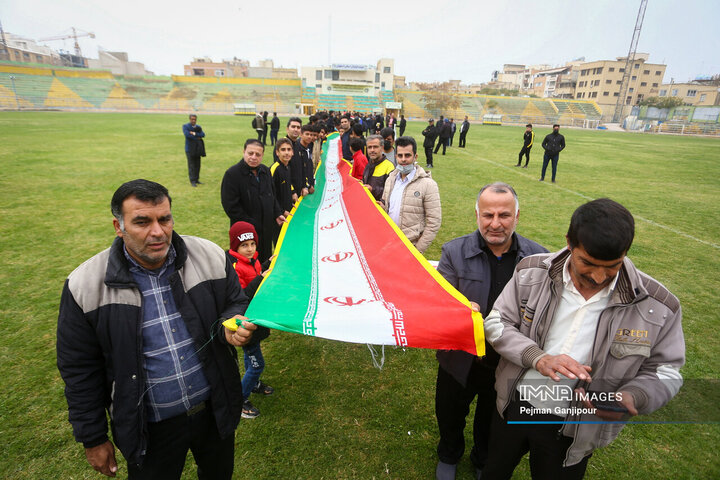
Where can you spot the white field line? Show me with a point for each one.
(581, 195)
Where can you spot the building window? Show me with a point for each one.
(583, 73)
(611, 69)
(26, 55)
(646, 72)
(377, 77)
(673, 93)
(597, 83)
(593, 95)
(199, 72)
(702, 97)
(637, 65)
(219, 73)
(662, 93)
(633, 78)
(619, 82)
(643, 84)
(599, 70)
(318, 85)
(382, 85)
(628, 100)
(691, 93)
(386, 69)
(655, 84)
(39, 59)
(605, 94)
(658, 72)
(318, 74)
(621, 70)
(608, 82)
(616, 94)
(631, 90)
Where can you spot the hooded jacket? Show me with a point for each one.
(639, 345)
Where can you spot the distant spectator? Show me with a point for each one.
(274, 128)
(463, 132)
(444, 132)
(430, 133)
(265, 127)
(402, 125)
(388, 135)
(528, 139)
(453, 128)
(259, 125)
(194, 148)
(553, 144)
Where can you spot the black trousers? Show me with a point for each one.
(452, 137)
(260, 134)
(443, 142)
(546, 159)
(193, 162)
(402, 131)
(508, 444)
(170, 440)
(461, 142)
(264, 135)
(524, 151)
(452, 405)
(273, 137)
(429, 156)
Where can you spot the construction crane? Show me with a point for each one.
(629, 63)
(74, 35)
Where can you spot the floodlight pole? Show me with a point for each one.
(17, 102)
(629, 62)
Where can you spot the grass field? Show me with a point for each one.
(334, 415)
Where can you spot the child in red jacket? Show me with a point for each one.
(243, 254)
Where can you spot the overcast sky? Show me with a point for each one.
(430, 41)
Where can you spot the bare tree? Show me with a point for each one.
(439, 98)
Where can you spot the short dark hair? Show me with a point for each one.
(529, 125)
(356, 144)
(307, 128)
(253, 141)
(191, 116)
(387, 132)
(603, 227)
(294, 119)
(143, 190)
(404, 141)
(282, 141)
(357, 129)
(313, 118)
(556, 125)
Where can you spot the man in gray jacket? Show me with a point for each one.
(587, 340)
(411, 197)
(478, 265)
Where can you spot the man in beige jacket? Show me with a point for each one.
(411, 197)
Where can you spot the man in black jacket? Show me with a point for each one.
(430, 133)
(478, 265)
(274, 127)
(402, 124)
(463, 132)
(553, 144)
(247, 196)
(194, 148)
(138, 338)
(444, 133)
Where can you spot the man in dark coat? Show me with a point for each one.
(444, 133)
(402, 124)
(553, 144)
(274, 127)
(430, 134)
(194, 148)
(463, 132)
(478, 265)
(166, 393)
(247, 196)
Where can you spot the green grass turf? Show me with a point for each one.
(334, 415)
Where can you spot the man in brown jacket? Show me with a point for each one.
(587, 341)
(411, 197)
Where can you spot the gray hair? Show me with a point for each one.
(498, 187)
(379, 138)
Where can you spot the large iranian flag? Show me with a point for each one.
(344, 271)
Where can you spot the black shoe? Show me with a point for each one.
(199, 182)
(524, 166)
(263, 388)
(249, 411)
(194, 184)
(517, 165)
(541, 179)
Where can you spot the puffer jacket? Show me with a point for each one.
(639, 345)
(420, 211)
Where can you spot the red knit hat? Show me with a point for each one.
(240, 232)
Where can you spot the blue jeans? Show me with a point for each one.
(254, 366)
(546, 159)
